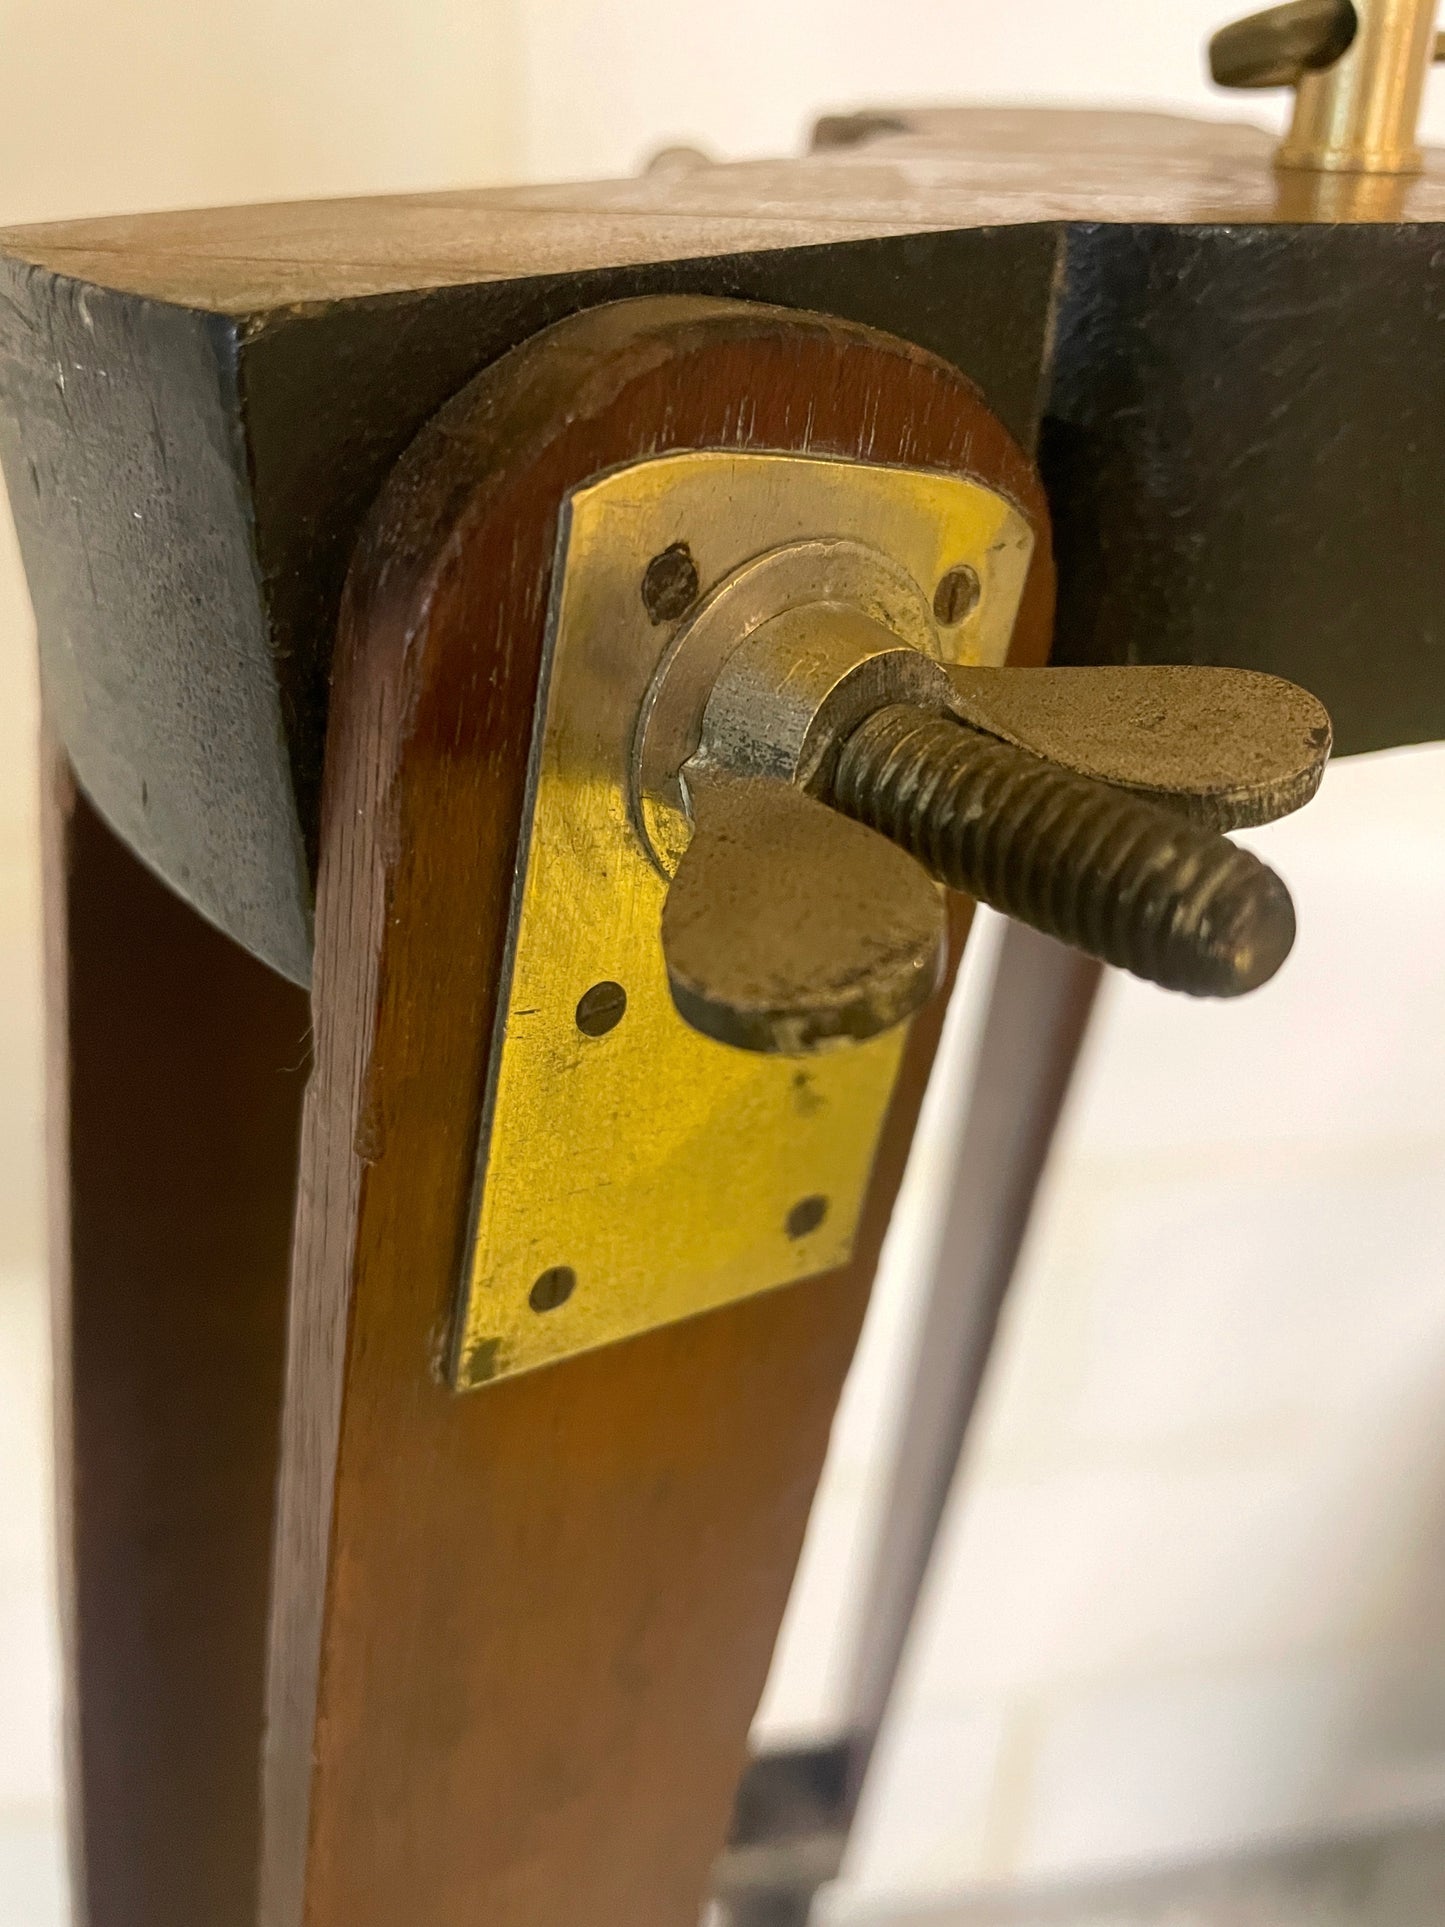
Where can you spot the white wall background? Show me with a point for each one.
(1190, 1589)
(1192, 1586)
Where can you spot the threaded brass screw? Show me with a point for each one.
(1123, 879)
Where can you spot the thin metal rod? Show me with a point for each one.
(1036, 1020)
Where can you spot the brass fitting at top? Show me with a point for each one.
(1358, 68)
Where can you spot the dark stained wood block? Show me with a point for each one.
(199, 407)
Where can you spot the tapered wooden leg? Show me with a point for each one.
(520, 1632)
(176, 1071)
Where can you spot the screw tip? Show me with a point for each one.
(1248, 936)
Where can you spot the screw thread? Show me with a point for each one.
(1123, 879)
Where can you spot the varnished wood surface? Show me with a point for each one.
(176, 1070)
(519, 1634)
(964, 168)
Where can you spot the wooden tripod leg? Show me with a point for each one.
(519, 1633)
(176, 1071)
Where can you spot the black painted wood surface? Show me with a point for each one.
(188, 495)
(1243, 427)
(1245, 454)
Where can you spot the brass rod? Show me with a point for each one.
(1360, 114)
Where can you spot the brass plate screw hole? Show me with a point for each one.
(670, 585)
(553, 1288)
(601, 1009)
(956, 595)
(806, 1215)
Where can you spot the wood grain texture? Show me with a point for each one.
(519, 1634)
(965, 168)
(176, 1065)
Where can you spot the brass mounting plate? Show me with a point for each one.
(635, 1175)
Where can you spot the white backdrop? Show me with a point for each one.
(1190, 1595)
(604, 83)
